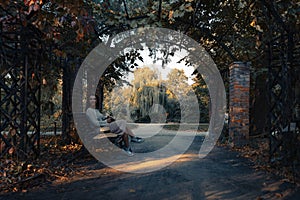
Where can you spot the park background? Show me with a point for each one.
(43, 44)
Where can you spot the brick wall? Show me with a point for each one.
(239, 96)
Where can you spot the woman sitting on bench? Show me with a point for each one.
(116, 126)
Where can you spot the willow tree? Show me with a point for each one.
(229, 30)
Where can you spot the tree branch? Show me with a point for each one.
(159, 10)
(207, 32)
(126, 11)
(273, 11)
(127, 14)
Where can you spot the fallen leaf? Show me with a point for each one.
(279, 195)
(132, 190)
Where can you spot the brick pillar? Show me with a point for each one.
(239, 96)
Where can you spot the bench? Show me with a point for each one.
(90, 132)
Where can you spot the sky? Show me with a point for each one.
(148, 62)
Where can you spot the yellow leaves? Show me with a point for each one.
(71, 147)
(279, 195)
(258, 42)
(255, 25)
(186, 7)
(56, 22)
(33, 5)
(131, 190)
(111, 11)
(53, 164)
(29, 2)
(80, 35)
(258, 28)
(189, 9)
(11, 150)
(171, 14)
(44, 81)
(59, 53)
(180, 12)
(4, 3)
(57, 114)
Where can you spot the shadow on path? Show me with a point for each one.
(222, 174)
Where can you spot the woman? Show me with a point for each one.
(116, 126)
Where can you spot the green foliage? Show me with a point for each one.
(150, 99)
(202, 94)
(229, 30)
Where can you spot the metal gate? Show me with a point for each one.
(283, 52)
(20, 88)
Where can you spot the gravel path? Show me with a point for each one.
(223, 174)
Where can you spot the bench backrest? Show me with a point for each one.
(84, 125)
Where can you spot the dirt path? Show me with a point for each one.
(222, 174)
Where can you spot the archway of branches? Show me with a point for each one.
(21, 83)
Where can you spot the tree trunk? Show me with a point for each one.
(66, 103)
(100, 93)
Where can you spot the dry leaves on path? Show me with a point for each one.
(56, 162)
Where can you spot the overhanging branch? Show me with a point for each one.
(275, 14)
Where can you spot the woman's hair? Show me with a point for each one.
(97, 100)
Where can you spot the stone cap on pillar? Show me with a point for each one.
(240, 64)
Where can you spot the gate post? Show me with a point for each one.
(239, 97)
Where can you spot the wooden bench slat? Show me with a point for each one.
(104, 135)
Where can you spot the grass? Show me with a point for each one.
(186, 127)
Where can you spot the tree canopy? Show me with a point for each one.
(229, 30)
